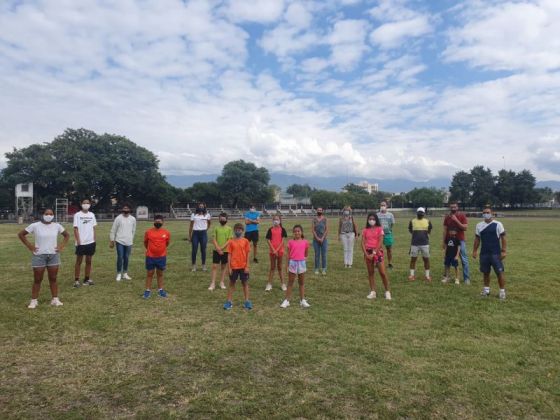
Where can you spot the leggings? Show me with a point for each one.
(199, 237)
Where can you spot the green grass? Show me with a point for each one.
(435, 351)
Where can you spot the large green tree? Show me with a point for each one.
(300, 190)
(482, 186)
(461, 188)
(426, 197)
(504, 189)
(243, 183)
(525, 188)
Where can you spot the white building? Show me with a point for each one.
(370, 188)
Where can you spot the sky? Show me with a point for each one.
(379, 89)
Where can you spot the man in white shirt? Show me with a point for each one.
(84, 234)
(122, 235)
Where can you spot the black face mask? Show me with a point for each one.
(420, 215)
(320, 213)
(200, 210)
(126, 211)
(158, 225)
(223, 222)
(453, 211)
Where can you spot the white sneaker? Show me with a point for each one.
(56, 302)
(204, 268)
(457, 281)
(372, 295)
(126, 276)
(211, 287)
(33, 304)
(222, 286)
(268, 287)
(285, 304)
(388, 295)
(484, 293)
(316, 272)
(119, 277)
(193, 269)
(303, 303)
(445, 280)
(502, 295)
(324, 272)
(284, 287)
(350, 266)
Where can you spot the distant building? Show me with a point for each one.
(285, 199)
(370, 188)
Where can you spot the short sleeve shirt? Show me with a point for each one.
(489, 234)
(373, 237)
(252, 215)
(157, 240)
(451, 246)
(46, 236)
(85, 222)
(450, 223)
(387, 221)
(238, 250)
(200, 221)
(222, 234)
(275, 235)
(297, 249)
(420, 229)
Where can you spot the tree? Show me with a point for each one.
(207, 192)
(544, 195)
(524, 192)
(327, 199)
(7, 195)
(461, 188)
(426, 197)
(242, 183)
(482, 186)
(504, 190)
(354, 189)
(300, 190)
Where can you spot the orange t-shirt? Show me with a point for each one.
(239, 251)
(156, 241)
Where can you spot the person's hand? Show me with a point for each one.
(59, 248)
(454, 218)
(33, 248)
(230, 271)
(456, 259)
(246, 270)
(443, 246)
(474, 254)
(219, 250)
(503, 254)
(111, 244)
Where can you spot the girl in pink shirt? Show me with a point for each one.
(298, 248)
(372, 245)
(275, 238)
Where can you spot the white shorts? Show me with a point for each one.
(423, 250)
(297, 267)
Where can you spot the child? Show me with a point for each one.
(156, 241)
(298, 249)
(84, 234)
(275, 238)
(452, 251)
(221, 235)
(372, 245)
(238, 260)
(420, 229)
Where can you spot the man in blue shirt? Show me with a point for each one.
(252, 220)
(492, 236)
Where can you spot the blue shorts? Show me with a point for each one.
(239, 273)
(156, 263)
(488, 261)
(451, 262)
(297, 267)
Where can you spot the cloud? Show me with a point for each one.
(261, 11)
(391, 35)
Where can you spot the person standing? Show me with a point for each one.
(84, 235)
(387, 221)
(238, 266)
(372, 246)
(221, 235)
(156, 241)
(491, 235)
(275, 237)
(198, 234)
(298, 247)
(46, 254)
(320, 242)
(347, 232)
(122, 237)
(252, 221)
(420, 228)
(458, 221)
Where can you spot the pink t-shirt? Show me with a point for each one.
(373, 237)
(297, 248)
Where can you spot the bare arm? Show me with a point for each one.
(76, 235)
(190, 230)
(22, 237)
(66, 237)
(475, 246)
(504, 246)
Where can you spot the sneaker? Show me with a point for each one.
(89, 282)
(372, 295)
(255, 260)
(126, 276)
(502, 295)
(119, 277)
(56, 302)
(411, 278)
(248, 305)
(467, 282)
(211, 287)
(284, 287)
(345, 265)
(304, 304)
(33, 304)
(458, 282)
(445, 280)
(350, 266)
(147, 294)
(228, 305)
(162, 293)
(316, 272)
(285, 304)
(390, 266)
(193, 269)
(204, 268)
(388, 295)
(324, 273)
(222, 286)
(268, 287)
(77, 284)
(484, 293)
(428, 279)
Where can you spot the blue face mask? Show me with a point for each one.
(238, 233)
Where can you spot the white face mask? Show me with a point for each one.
(371, 222)
(86, 207)
(252, 209)
(487, 216)
(276, 222)
(383, 208)
(346, 213)
(48, 218)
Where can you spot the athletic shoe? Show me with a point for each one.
(228, 305)
(222, 286)
(388, 295)
(428, 279)
(390, 266)
(411, 278)
(324, 272)
(126, 276)
(77, 284)
(284, 287)
(211, 287)
(255, 260)
(204, 268)
(458, 282)
(147, 294)
(502, 295)
(285, 304)
(193, 269)
(303, 303)
(33, 304)
(445, 280)
(372, 295)
(89, 282)
(248, 305)
(350, 266)
(484, 293)
(316, 272)
(162, 293)
(268, 287)
(345, 265)
(56, 302)
(119, 277)
(467, 282)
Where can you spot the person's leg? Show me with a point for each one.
(149, 278)
(486, 279)
(231, 287)
(501, 280)
(427, 268)
(465, 262)
(351, 239)
(120, 256)
(159, 274)
(316, 250)
(224, 269)
(78, 266)
(245, 285)
(344, 240)
(126, 257)
(291, 279)
(301, 283)
(371, 274)
(52, 272)
(413, 263)
(203, 244)
(279, 261)
(255, 249)
(383, 274)
(272, 268)
(389, 249)
(88, 266)
(38, 273)
(324, 250)
(213, 275)
(446, 269)
(195, 242)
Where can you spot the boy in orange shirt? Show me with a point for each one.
(238, 264)
(156, 241)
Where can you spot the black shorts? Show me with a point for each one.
(87, 250)
(252, 236)
(219, 259)
(239, 274)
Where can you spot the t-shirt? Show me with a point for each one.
(275, 235)
(387, 221)
(200, 220)
(123, 230)
(450, 223)
(85, 222)
(297, 249)
(489, 234)
(320, 226)
(46, 235)
(222, 234)
(420, 229)
(238, 250)
(346, 224)
(451, 246)
(252, 215)
(373, 237)
(156, 242)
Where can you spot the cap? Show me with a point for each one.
(421, 210)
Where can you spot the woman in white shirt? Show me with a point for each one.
(198, 234)
(122, 235)
(46, 254)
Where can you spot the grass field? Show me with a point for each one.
(435, 351)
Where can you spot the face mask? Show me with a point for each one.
(319, 213)
(371, 222)
(48, 218)
(86, 207)
(383, 208)
(453, 211)
(420, 215)
(253, 209)
(346, 213)
(158, 225)
(238, 233)
(276, 222)
(487, 216)
(223, 222)
(126, 211)
(200, 210)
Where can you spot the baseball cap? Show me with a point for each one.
(421, 210)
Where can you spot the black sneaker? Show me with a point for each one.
(88, 283)
(77, 284)
(390, 266)
(255, 260)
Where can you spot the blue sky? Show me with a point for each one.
(377, 89)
